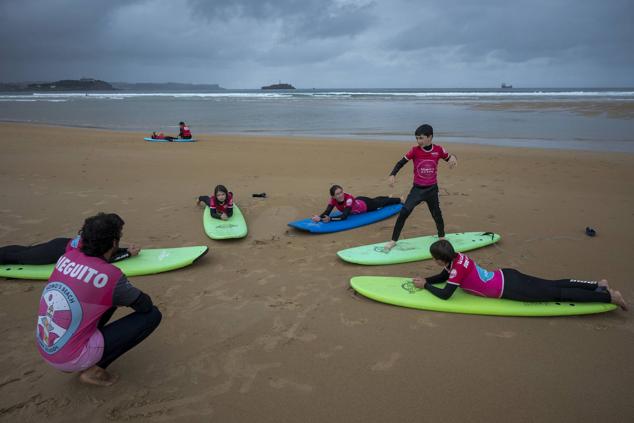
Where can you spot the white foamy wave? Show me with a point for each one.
(325, 94)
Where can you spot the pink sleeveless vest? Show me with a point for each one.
(78, 292)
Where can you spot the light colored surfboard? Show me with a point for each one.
(234, 227)
(174, 140)
(414, 249)
(149, 261)
(402, 292)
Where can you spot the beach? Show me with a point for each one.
(266, 329)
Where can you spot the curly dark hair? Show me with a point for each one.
(99, 232)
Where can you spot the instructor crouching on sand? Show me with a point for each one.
(82, 293)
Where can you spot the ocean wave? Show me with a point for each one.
(329, 94)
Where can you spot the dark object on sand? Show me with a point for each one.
(590, 231)
(260, 195)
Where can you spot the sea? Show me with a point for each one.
(538, 117)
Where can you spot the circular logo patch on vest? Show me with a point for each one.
(426, 168)
(59, 316)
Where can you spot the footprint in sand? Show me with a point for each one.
(382, 366)
(284, 383)
(331, 351)
(350, 322)
(283, 336)
(423, 322)
(506, 334)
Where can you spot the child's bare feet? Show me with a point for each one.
(603, 283)
(388, 247)
(617, 299)
(97, 376)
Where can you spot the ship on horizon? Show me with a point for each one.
(506, 86)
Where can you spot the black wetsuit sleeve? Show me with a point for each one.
(344, 215)
(439, 278)
(229, 211)
(214, 214)
(120, 254)
(143, 303)
(442, 293)
(125, 294)
(327, 211)
(398, 166)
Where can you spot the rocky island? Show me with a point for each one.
(279, 86)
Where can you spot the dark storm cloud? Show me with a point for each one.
(302, 19)
(244, 43)
(520, 31)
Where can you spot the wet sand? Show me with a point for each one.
(266, 329)
(619, 109)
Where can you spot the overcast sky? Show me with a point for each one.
(322, 43)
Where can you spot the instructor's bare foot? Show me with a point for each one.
(98, 376)
(388, 247)
(617, 299)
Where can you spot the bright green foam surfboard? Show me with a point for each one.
(234, 227)
(414, 249)
(148, 262)
(402, 292)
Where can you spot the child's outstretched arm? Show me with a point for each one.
(397, 167)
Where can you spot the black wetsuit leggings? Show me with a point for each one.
(378, 202)
(417, 195)
(44, 253)
(521, 287)
(124, 334)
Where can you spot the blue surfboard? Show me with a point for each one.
(175, 140)
(353, 221)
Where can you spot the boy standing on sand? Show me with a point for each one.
(425, 156)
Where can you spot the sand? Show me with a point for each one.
(266, 329)
(618, 109)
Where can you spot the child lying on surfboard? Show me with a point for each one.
(347, 204)
(220, 203)
(49, 252)
(459, 270)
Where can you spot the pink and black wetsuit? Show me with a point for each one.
(216, 208)
(425, 188)
(356, 205)
(463, 272)
(185, 132)
(47, 252)
(79, 299)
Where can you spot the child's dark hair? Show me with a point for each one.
(333, 189)
(425, 130)
(99, 232)
(442, 250)
(220, 188)
(181, 123)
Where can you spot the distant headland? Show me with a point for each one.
(83, 84)
(91, 84)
